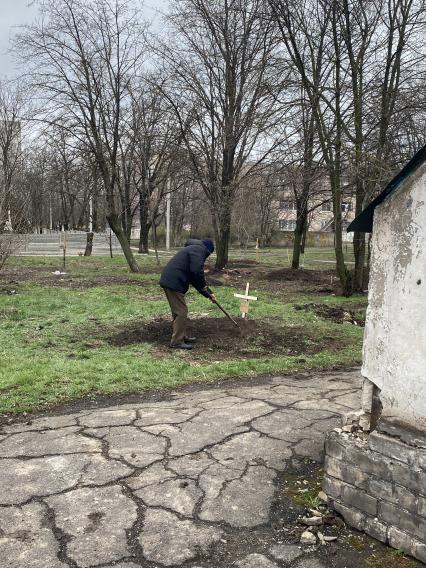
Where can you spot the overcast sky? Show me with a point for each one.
(15, 13)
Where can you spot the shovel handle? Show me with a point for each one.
(225, 312)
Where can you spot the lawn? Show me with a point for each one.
(100, 329)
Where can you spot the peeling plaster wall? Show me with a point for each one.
(394, 355)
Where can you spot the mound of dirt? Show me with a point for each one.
(74, 283)
(244, 263)
(46, 277)
(287, 281)
(301, 275)
(218, 339)
(337, 314)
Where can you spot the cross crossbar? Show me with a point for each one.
(244, 297)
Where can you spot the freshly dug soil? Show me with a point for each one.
(337, 314)
(9, 278)
(218, 339)
(75, 283)
(311, 276)
(294, 282)
(244, 263)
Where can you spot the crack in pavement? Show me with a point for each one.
(61, 537)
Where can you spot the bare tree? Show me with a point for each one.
(11, 116)
(315, 47)
(265, 186)
(305, 171)
(157, 141)
(13, 200)
(224, 95)
(83, 56)
(380, 40)
(350, 57)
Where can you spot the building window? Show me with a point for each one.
(287, 205)
(286, 225)
(326, 206)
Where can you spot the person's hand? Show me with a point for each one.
(212, 298)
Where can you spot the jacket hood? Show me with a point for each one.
(194, 242)
(190, 242)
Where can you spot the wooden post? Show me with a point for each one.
(64, 247)
(89, 244)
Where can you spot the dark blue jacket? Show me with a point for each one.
(185, 268)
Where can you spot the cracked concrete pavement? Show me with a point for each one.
(166, 483)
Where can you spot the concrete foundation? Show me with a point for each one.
(378, 484)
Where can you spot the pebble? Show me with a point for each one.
(312, 521)
(308, 538)
(323, 496)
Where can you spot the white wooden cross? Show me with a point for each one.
(245, 299)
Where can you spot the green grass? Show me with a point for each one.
(312, 500)
(53, 346)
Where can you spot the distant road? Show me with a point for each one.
(49, 245)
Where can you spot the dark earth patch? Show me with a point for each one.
(245, 263)
(295, 282)
(337, 314)
(45, 276)
(75, 283)
(276, 282)
(218, 338)
(301, 275)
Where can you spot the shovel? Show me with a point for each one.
(226, 313)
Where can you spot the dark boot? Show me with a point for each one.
(182, 345)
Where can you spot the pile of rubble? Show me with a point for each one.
(320, 526)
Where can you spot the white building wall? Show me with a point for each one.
(395, 333)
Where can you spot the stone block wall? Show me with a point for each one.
(378, 485)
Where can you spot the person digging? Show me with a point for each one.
(185, 268)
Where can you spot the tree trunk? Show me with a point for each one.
(89, 244)
(305, 233)
(336, 166)
(298, 238)
(115, 224)
(154, 241)
(344, 275)
(144, 224)
(222, 211)
(222, 247)
(144, 239)
(359, 254)
(222, 228)
(126, 216)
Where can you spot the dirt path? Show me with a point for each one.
(200, 479)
